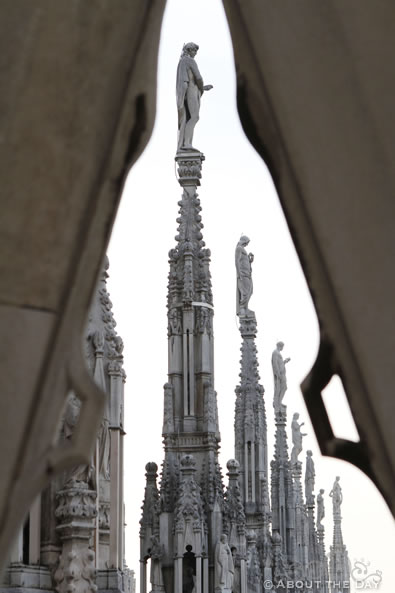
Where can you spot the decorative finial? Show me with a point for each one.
(233, 466)
(189, 89)
(280, 376)
(244, 277)
(151, 468)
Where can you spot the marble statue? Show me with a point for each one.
(280, 376)
(320, 508)
(336, 495)
(156, 553)
(224, 568)
(309, 477)
(244, 276)
(84, 472)
(189, 89)
(297, 436)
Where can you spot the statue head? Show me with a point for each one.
(190, 49)
(337, 478)
(244, 240)
(296, 416)
(309, 453)
(280, 345)
(322, 491)
(223, 539)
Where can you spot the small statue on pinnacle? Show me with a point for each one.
(337, 496)
(280, 376)
(320, 509)
(189, 89)
(244, 277)
(297, 437)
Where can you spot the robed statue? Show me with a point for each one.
(189, 89)
(320, 509)
(224, 567)
(297, 437)
(279, 375)
(337, 496)
(243, 261)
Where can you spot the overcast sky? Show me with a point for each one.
(238, 197)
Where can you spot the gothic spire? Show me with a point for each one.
(339, 570)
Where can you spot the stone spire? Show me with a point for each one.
(190, 311)
(149, 522)
(314, 567)
(190, 515)
(282, 491)
(324, 576)
(235, 525)
(339, 571)
(250, 426)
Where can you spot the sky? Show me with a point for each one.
(237, 197)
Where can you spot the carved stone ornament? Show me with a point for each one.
(75, 513)
(189, 505)
(76, 572)
(168, 412)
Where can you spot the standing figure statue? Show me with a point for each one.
(84, 472)
(309, 478)
(337, 496)
(296, 438)
(244, 276)
(320, 509)
(224, 568)
(189, 89)
(280, 376)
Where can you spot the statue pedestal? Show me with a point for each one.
(76, 512)
(189, 164)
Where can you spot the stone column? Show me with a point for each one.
(178, 575)
(246, 471)
(198, 584)
(143, 576)
(17, 548)
(205, 575)
(76, 512)
(121, 539)
(252, 472)
(114, 496)
(35, 531)
(116, 522)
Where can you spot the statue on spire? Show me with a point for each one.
(280, 377)
(189, 89)
(337, 496)
(297, 437)
(244, 276)
(309, 478)
(320, 509)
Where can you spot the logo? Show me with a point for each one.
(364, 577)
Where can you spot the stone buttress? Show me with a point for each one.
(73, 538)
